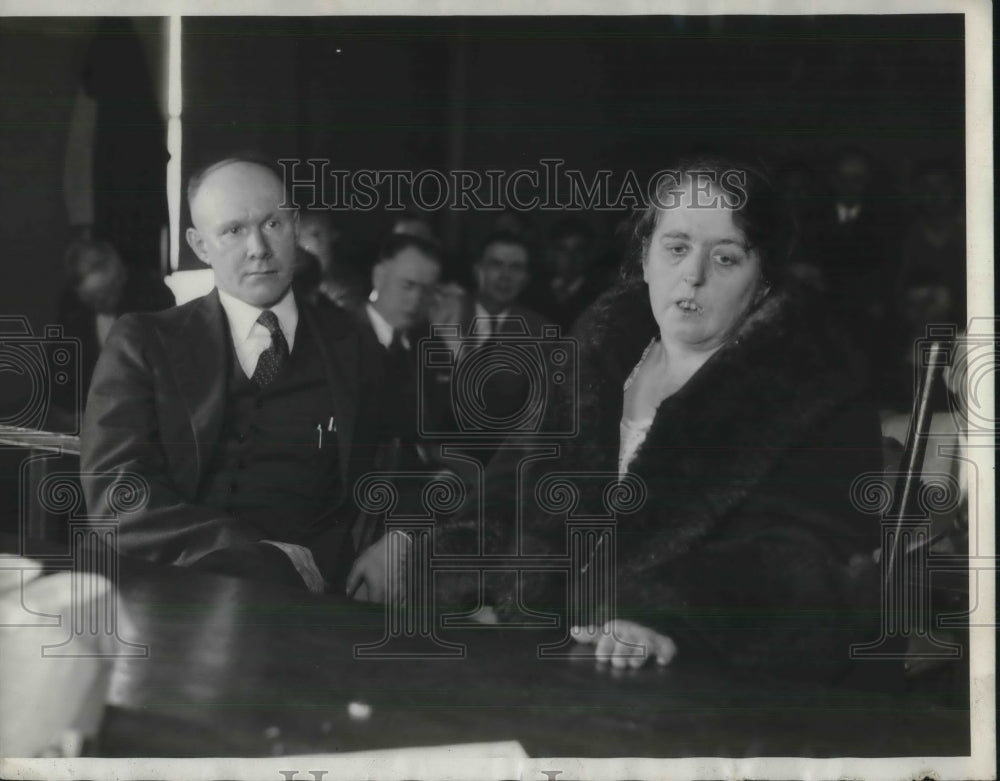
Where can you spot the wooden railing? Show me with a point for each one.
(47, 453)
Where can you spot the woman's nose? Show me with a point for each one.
(693, 270)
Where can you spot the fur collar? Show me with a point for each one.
(714, 441)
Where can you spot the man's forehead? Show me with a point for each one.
(411, 263)
(237, 183)
(511, 253)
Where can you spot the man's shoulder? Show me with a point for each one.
(168, 320)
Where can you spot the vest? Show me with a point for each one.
(272, 467)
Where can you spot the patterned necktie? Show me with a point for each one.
(275, 356)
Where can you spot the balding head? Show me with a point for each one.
(241, 231)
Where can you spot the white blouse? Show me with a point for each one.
(632, 432)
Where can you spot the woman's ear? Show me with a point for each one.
(644, 260)
(763, 291)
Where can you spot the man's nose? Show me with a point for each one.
(257, 246)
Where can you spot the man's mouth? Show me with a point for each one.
(689, 305)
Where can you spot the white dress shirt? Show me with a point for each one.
(847, 214)
(250, 339)
(384, 331)
(484, 328)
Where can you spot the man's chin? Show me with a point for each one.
(263, 291)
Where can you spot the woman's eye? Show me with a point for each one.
(727, 259)
(677, 250)
(273, 224)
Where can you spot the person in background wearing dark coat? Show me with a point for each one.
(571, 278)
(100, 289)
(708, 379)
(491, 318)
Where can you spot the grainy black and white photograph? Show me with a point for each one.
(538, 391)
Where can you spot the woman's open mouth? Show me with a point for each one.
(688, 305)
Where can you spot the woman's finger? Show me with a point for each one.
(605, 648)
(588, 635)
(665, 649)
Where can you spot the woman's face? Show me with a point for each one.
(702, 275)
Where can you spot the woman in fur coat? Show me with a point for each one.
(706, 377)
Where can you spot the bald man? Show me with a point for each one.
(246, 414)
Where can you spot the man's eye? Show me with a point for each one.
(274, 224)
(233, 230)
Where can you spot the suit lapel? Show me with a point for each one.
(341, 362)
(199, 355)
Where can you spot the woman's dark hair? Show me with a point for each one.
(758, 211)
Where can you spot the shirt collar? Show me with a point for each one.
(383, 331)
(481, 312)
(845, 213)
(243, 316)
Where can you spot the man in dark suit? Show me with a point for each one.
(492, 316)
(403, 284)
(100, 289)
(571, 279)
(247, 415)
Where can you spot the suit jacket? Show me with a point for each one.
(156, 408)
(498, 396)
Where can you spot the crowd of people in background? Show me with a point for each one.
(885, 261)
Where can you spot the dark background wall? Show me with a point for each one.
(624, 93)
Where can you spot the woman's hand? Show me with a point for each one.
(626, 643)
(379, 572)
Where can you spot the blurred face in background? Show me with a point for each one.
(405, 287)
(243, 234)
(569, 256)
(100, 280)
(501, 274)
(318, 237)
(702, 274)
(850, 180)
(936, 194)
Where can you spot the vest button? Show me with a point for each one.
(241, 437)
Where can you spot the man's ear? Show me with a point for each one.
(296, 225)
(378, 274)
(197, 244)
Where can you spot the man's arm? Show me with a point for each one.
(122, 442)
